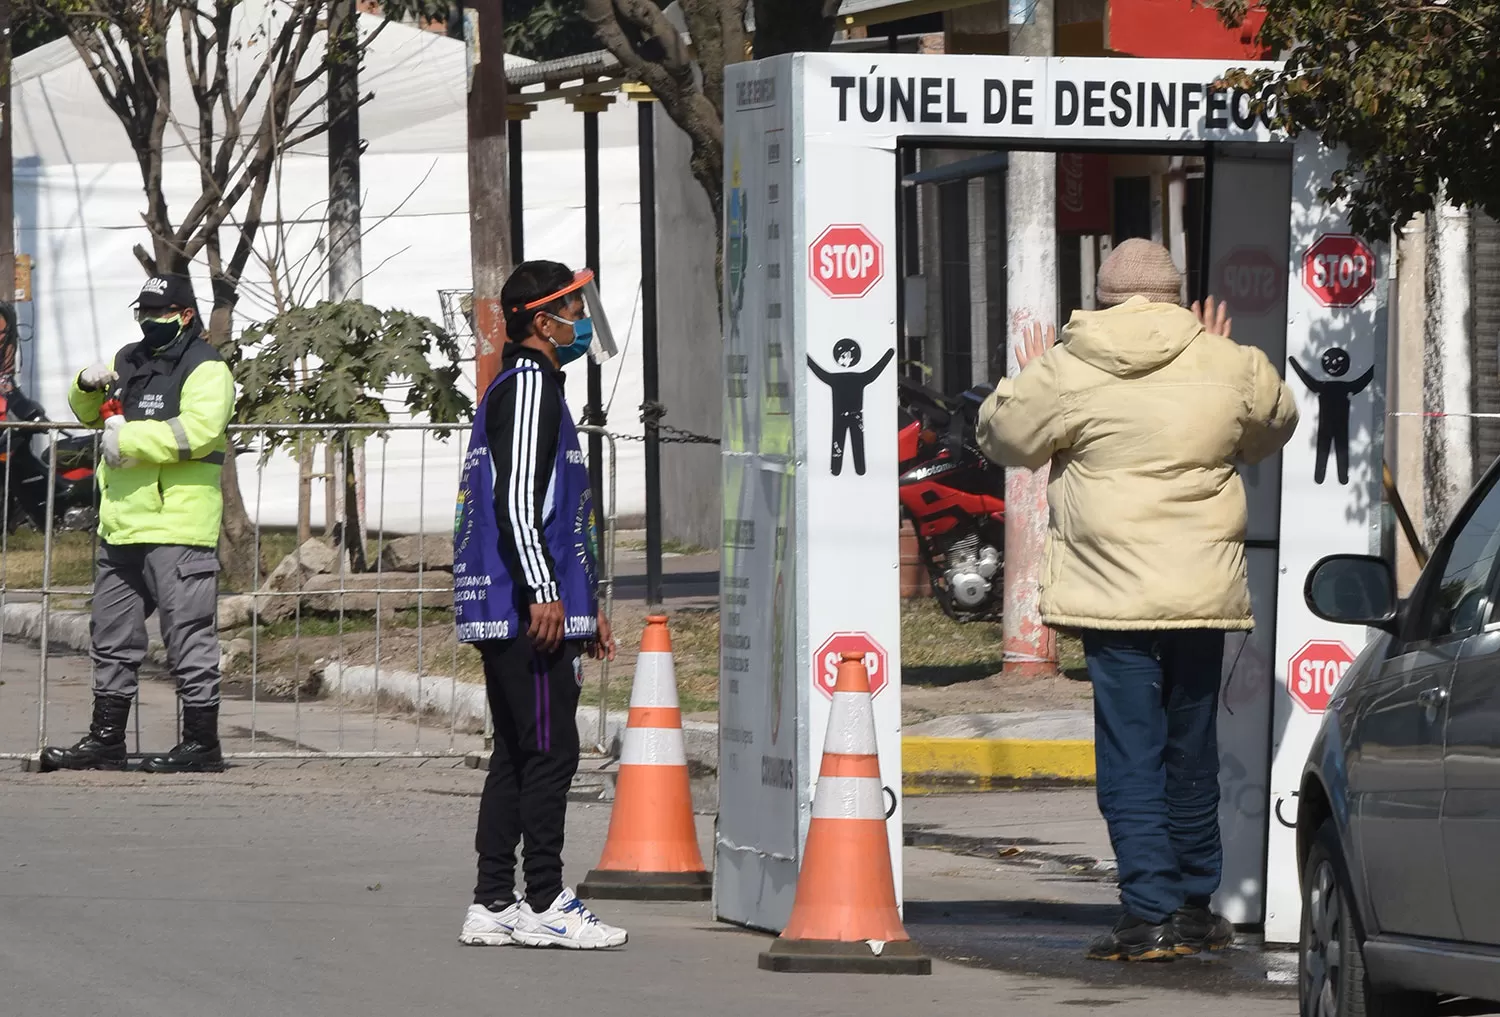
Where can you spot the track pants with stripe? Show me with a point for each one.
(534, 702)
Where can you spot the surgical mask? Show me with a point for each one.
(583, 337)
(159, 333)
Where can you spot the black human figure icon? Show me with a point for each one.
(1333, 408)
(848, 401)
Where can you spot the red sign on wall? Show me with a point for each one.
(1250, 280)
(846, 261)
(1338, 270)
(1314, 672)
(1083, 193)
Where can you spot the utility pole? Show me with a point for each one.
(489, 203)
(1031, 293)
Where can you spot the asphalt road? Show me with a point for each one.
(338, 890)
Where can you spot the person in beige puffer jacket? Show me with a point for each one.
(1143, 413)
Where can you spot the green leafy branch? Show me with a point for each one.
(1411, 89)
(357, 352)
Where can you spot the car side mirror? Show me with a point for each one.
(1353, 589)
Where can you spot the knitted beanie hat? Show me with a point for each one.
(1139, 267)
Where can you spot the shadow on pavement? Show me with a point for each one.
(1049, 938)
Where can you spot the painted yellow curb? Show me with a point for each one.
(990, 758)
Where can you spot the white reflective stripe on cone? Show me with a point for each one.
(851, 725)
(653, 746)
(848, 798)
(655, 681)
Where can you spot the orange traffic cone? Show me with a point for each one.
(844, 917)
(651, 852)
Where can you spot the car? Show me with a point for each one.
(1398, 813)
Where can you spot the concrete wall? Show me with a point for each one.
(690, 340)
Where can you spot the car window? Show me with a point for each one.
(1459, 601)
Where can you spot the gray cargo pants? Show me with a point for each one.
(181, 585)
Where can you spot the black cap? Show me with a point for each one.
(163, 291)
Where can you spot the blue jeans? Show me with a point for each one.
(1156, 751)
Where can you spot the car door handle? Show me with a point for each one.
(1432, 697)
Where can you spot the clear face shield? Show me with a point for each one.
(602, 346)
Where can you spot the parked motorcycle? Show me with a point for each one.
(955, 498)
(27, 468)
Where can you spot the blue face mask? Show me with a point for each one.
(583, 338)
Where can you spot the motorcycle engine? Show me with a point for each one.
(971, 570)
(80, 519)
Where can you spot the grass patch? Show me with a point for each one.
(667, 546)
(25, 560)
(695, 654)
(314, 625)
(937, 651)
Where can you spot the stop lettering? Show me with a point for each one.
(826, 660)
(1338, 270)
(846, 261)
(1315, 671)
(1250, 281)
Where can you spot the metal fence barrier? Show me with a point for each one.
(320, 661)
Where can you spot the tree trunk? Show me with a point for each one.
(237, 543)
(1448, 438)
(353, 527)
(345, 250)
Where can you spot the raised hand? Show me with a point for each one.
(1035, 341)
(1213, 316)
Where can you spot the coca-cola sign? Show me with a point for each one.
(1082, 193)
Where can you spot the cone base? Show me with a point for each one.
(824, 956)
(606, 884)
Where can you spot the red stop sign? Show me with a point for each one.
(826, 660)
(1250, 280)
(1338, 270)
(1314, 672)
(846, 261)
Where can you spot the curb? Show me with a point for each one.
(926, 760)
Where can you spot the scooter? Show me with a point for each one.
(954, 497)
(25, 474)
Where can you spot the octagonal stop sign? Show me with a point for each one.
(1314, 672)
(846, 261)
(1250, 281)
(826, 660)
(1338, 270)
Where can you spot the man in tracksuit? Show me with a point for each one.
(525, 579)
(163, 404)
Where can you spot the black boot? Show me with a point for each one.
(1196, 928)
(103, 748)
(1135, 939)
(199, 751)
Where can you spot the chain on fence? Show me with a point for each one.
(321, 659)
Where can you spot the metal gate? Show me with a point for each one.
(320, 661)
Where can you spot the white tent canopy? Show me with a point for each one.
(79, 202)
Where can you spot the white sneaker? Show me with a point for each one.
(483, 927)
(568, 924)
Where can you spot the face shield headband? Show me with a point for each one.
(603, 345)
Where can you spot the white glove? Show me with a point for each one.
(112, 457)
(97, 378)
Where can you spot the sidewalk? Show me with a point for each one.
(1054, 831)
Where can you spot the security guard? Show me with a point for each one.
(163, 405)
